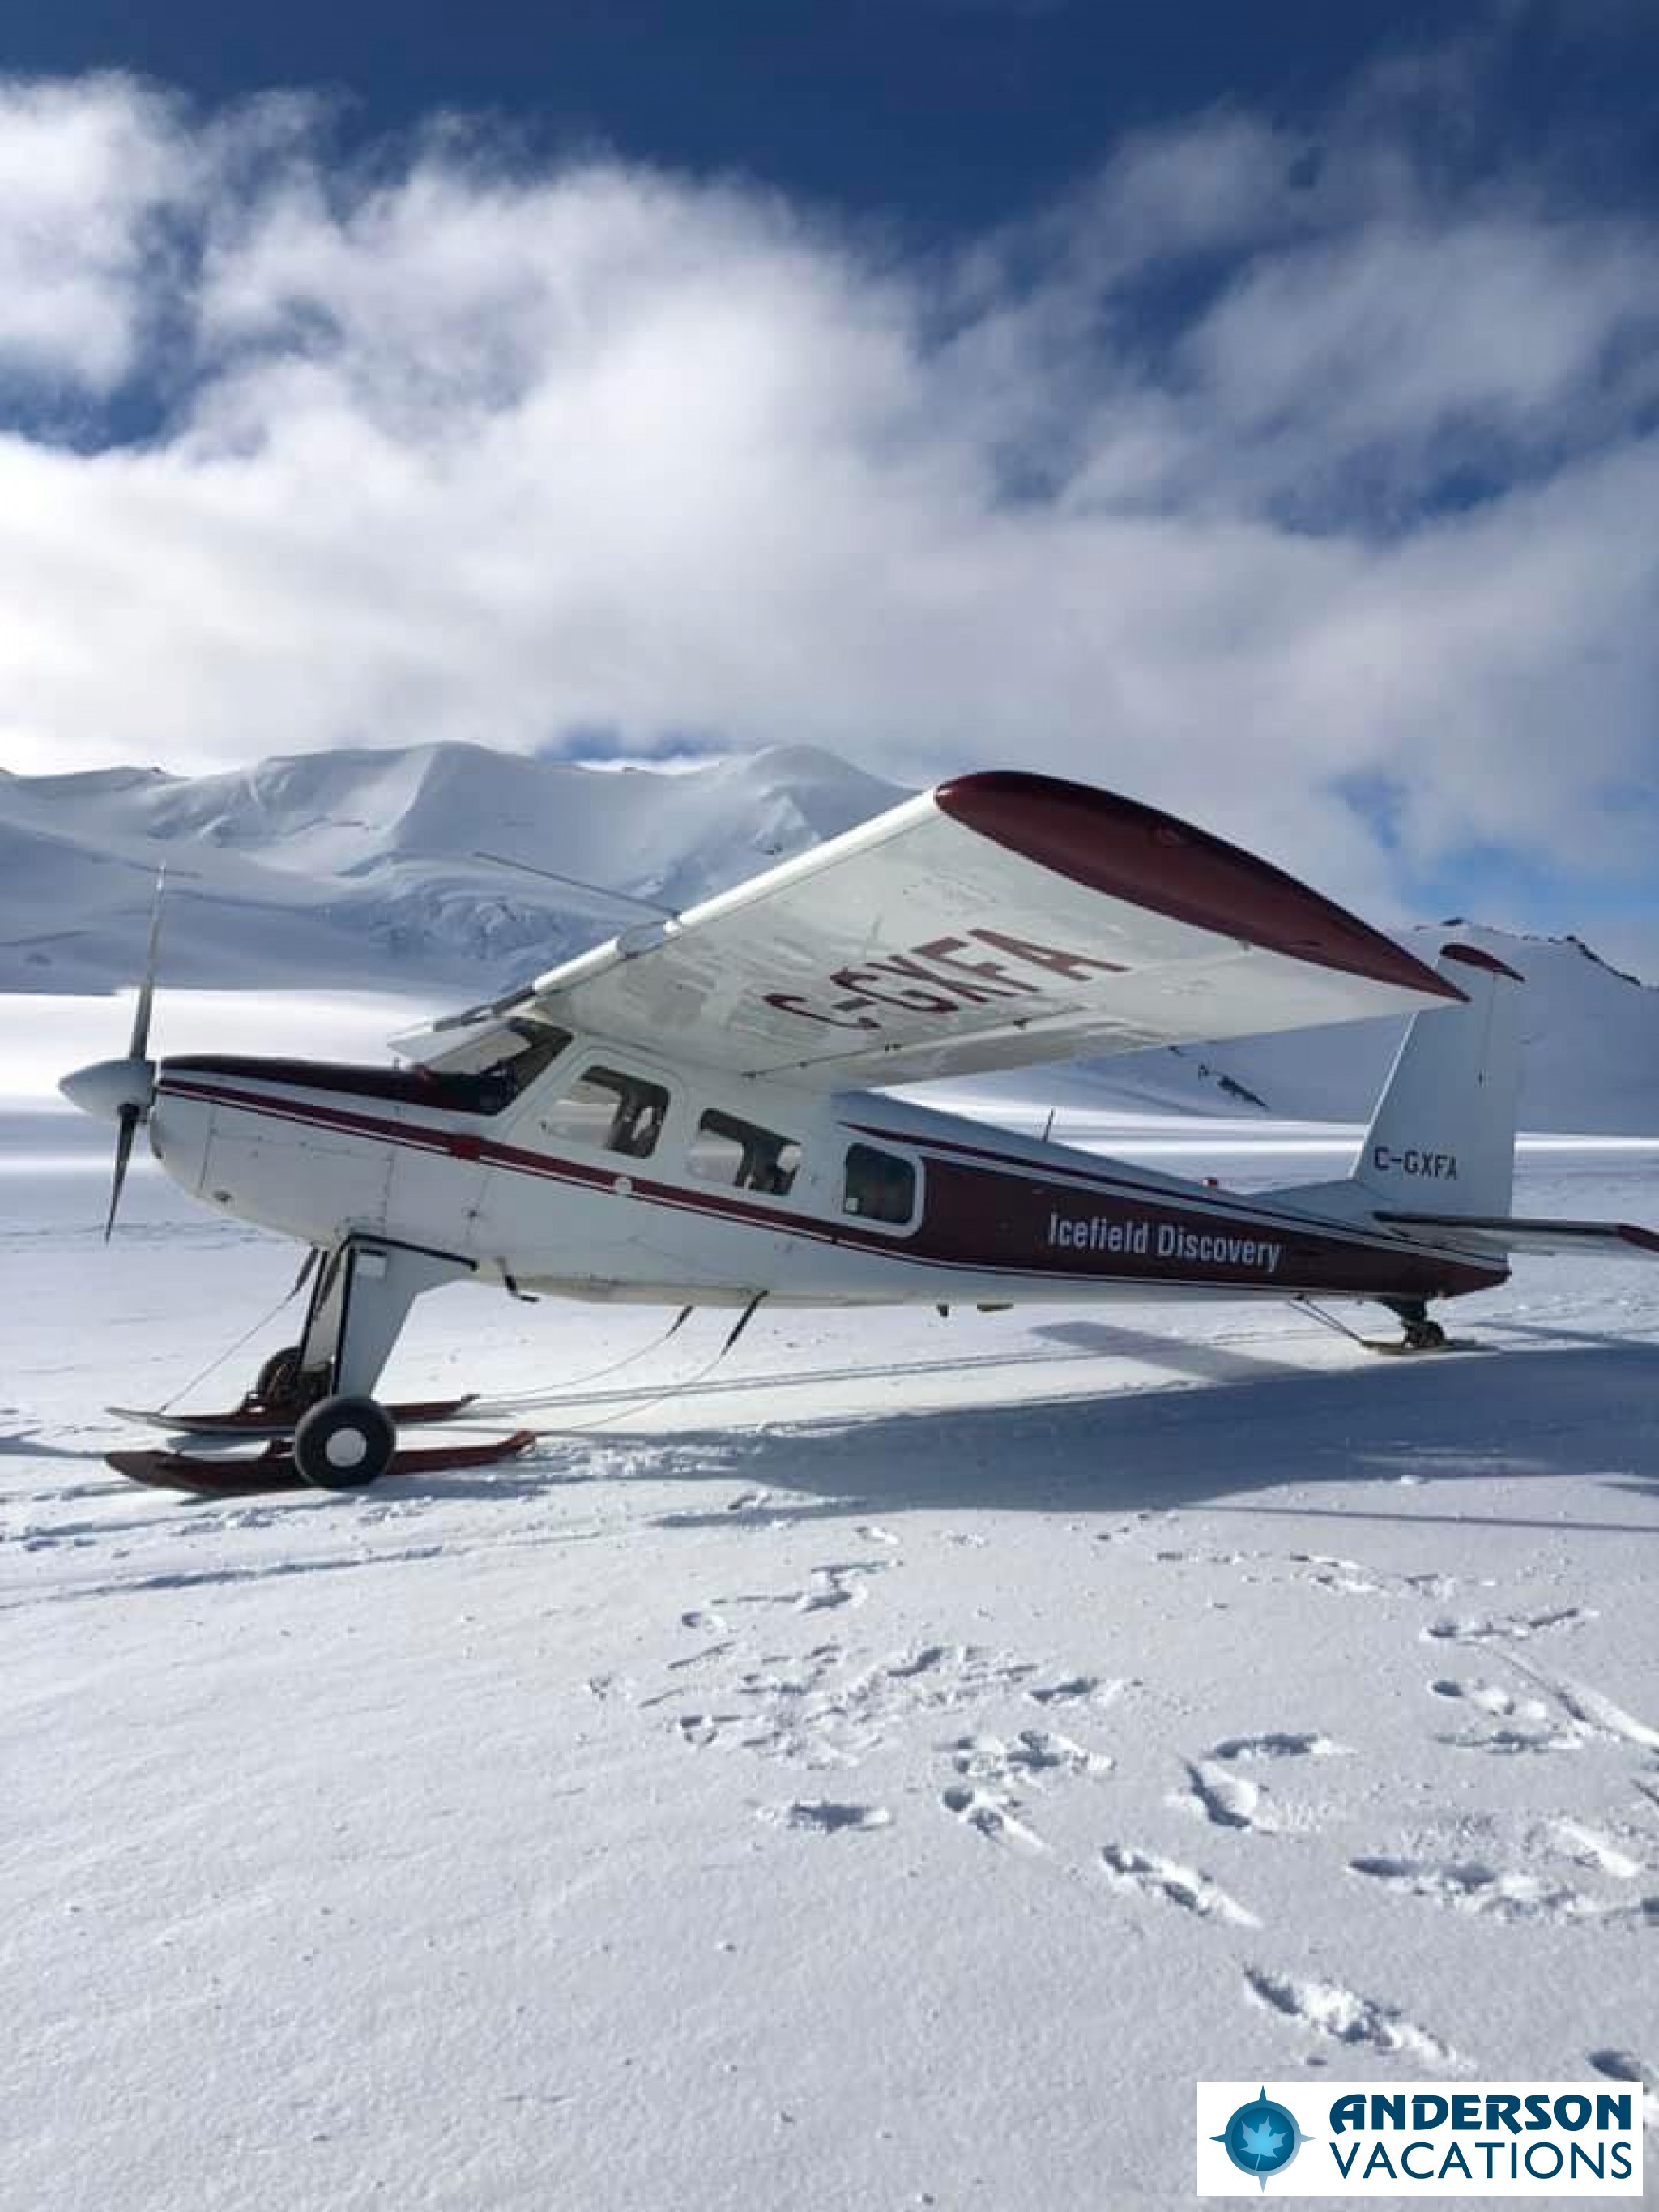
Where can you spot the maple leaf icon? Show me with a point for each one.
(1261, 2138)
(1261, 2142)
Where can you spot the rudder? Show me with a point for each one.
(1443, 1136)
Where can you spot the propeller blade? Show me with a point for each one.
(131, 1117)
(139, 1047)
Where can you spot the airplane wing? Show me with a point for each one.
(996, 920)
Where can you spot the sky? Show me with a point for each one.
(1254, 410)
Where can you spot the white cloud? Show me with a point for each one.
(87, 170)
(1143, 492)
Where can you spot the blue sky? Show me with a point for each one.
(1256, 408)
(944, 112)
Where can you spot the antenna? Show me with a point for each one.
(575, 884)
(1049, 1125)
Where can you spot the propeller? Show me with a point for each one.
(122, 1090)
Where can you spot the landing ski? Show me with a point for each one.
(257, 1422)
(273, 1470)
(1397, 1347)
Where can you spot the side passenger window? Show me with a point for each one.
(880, 1186)
(730, 1151)
(609, 1112)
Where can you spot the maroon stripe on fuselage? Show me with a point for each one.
(978, 1219)
(1094, 1177)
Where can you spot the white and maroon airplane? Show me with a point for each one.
(694, 1112)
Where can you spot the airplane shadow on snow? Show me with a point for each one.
(1522, 1416)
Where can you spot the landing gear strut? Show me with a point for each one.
(363, 1291)
(1421, 1335)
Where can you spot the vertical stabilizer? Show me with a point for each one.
(1442, 1137)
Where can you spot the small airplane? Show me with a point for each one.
(696, 1112)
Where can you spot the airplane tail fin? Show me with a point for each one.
(1438, 1165)
(1443, 1135)
(1442, 1138)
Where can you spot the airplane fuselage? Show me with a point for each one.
(609, 1174)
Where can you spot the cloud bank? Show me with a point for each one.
(1303, 481)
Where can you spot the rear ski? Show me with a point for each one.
(274, 1470)
(1403, 1346)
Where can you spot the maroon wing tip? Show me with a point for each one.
(1471, 956)
(1131, 851)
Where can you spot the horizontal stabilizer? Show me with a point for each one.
(1503, 1233)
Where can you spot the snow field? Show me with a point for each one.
(886, 1767)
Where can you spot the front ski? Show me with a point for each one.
(274, 1470)
(258, 1422)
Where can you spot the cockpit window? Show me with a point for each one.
(609, 1112)
(504, 1045)
(726, 1149)
(539, 1047)
(880, 1186)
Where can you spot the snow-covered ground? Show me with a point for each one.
(883, 1768)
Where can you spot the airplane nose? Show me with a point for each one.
(112, 1087)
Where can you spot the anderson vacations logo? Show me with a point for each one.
(1306, 2138)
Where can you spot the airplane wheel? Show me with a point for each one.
(278, 1379)
(344, 1443)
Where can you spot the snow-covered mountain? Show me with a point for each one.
(359, 869)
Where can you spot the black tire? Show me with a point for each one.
(277, 1383)
(344, 1443)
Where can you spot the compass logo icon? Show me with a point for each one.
(1262, 2138)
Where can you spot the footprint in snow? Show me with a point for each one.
(1227, 1801)
(1534, 1733)
(701, 1730)
(1507, 1628)
(1144, 1874)
(992, 1815)
(1345, 1576)
(1036, 1757)
(1080, 1690)
(1589, 1711)
(825, 1816)
(603, 1687)
(1621, 2065)
(833, 1586)
(1345, 2015)
(1281, 1743)
(1470, 1886)
(1490, 1698)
